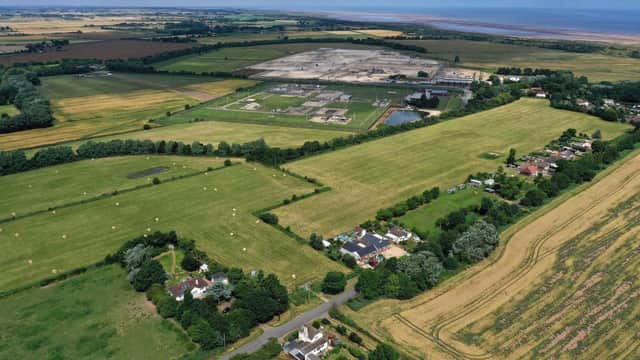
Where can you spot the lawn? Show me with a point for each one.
(230, 59)
(90, 107)
(96, 315)
(424, 218)
(199, 208)
(489, 56)
(377, 174)
(10, 110)
(58, 185)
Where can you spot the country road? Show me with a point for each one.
(284, 329)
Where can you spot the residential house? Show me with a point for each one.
(583, 103)
(398, 234)
(528, 170)
(197, 287)
(366, 247)
(475, 182)
(311, 344)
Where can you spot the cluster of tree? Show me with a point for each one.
(411, 203)
(582, 170)
(259, 297)
(525, 71)
(187, 27)
(57, 44)
(17, 161)
(269, 351)
(18, 87)
(424, 102)
(565, 88)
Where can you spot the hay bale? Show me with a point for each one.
(113, 227)
(64, 236)
(16, 234)
(30, 261)
(157, 219)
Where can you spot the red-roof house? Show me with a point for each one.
(528, 170)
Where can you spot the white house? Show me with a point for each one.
(310, 345)
(197, 287)
(398, 234)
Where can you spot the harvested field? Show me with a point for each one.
(216, 209)
(379, 173)
(101, 50)
(380, 32)
(562, 285)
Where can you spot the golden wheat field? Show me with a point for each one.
(563, 285)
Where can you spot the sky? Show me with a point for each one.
(335, 4)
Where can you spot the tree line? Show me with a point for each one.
(18, 87)
(259, 297)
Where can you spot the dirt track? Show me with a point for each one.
(425, 325)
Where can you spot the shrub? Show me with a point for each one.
(151, 272)
(156, 181)
(355, 338)
(227, 162)
(269, 218)
(190, 263)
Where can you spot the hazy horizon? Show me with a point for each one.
(333, 4)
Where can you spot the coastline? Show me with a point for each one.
(476, 26)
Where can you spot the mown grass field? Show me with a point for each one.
(10, 110)
(89, 107)
(377, 174)
(230, 59)
(200, 207)
(424, 218)
(94, 315)
(490, 56)
(562, 285)
(54, 186)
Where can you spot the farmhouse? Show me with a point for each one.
(528, 170)
(197, 287)
(366, 247)
(310, 345)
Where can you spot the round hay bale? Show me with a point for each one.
(148, 229)
(13, 214)
(30, 261)
(234, 214)
(157, 219)
(257, 221)
(244, 249)
(230, 234)
(293, 276)
(118, 204)
(54, 271)
(0, 229)
(30, 186)
(16, 234)
(84, 193)
(206, 173)
(53, 212)
(215, 189)
(64, 236)
(113, 227)
(204, 188)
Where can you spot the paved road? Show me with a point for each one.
(284, 329)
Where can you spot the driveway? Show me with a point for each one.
(282, 330)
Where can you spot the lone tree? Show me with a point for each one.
(511, 159)
(456, 59)
(334, 282)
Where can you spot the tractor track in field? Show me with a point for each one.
(534, 255)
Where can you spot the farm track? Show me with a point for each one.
(534, 255)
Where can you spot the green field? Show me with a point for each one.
(272, 106)
(96, 315)
(235, 37)
(10, 110)
(199, 207)
(424, 218)
(58, 185)
(377, 174)
(230, 59)
(69, 86)
(490, 56)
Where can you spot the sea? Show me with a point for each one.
(508, 21)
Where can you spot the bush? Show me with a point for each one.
(384, 352)
(355, 338)
(156, 181)
(227, 162)
(269, 218)
(334, 282)
(151, 272)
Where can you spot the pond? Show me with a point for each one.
(400, 117)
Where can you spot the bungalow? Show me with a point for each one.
(197, 287)
(528, 170)
(398, 234)
(366, 247)
(310, 345)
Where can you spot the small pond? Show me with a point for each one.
(400, 117)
